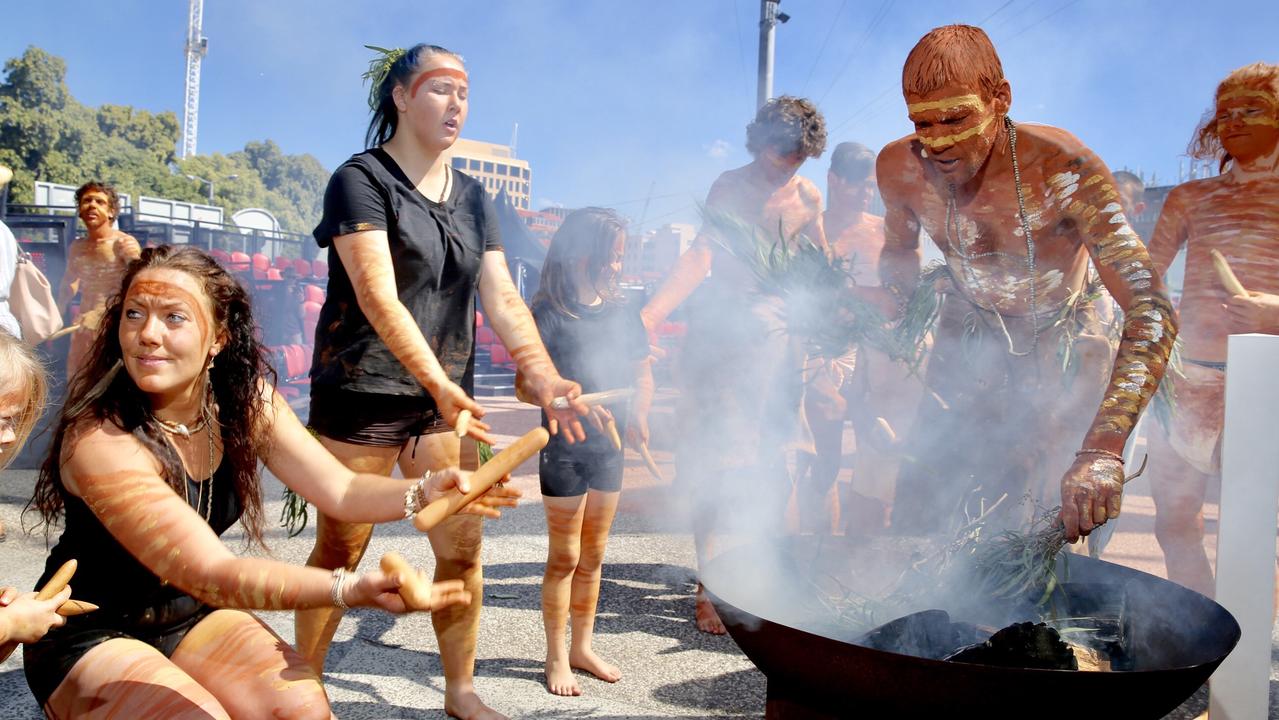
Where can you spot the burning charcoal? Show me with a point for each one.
(1022, 645)
(927, 634)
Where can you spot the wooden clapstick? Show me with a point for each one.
(649, 462)
(1226, 275)
(416, 593)
(483, 479)
(603, 397)
(71, 608)
(463, 423)
(611, 426)
(51, 588)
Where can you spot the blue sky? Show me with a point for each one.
(616, 100)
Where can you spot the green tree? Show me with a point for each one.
(45, 134)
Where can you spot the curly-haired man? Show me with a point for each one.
(739, 405)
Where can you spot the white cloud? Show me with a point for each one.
(719, 149)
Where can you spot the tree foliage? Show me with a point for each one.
(45, 134)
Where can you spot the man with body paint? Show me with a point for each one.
(1018, 371)
(1235, 213)
(740, 395)
(866, 385)
(95, 264)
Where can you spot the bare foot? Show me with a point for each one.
(466, 705)
(560, 680)
(590, 662)
(707, 619)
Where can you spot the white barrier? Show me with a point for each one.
(1246, 535)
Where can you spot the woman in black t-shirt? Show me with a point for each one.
(410, 242)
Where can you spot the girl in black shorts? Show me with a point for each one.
(595, 337)
(410, 245)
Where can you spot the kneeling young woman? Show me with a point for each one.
(156, 454)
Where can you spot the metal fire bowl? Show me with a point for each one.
(1182, 637)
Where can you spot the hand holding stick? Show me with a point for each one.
(595, 398)
(55, 585)
(415, 592)
(1226, 275)
(489, 474)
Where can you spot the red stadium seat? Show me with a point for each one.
(273, 274)
(499, 355)
(261, 263)
(222, 256)
(313, 293)
(485, 336)
(310, 316)
(479, 319)
(282, 262)
(302, 268)
(320, 269)
(239, 262)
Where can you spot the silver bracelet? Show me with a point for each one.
(337, 589)
(415, 496)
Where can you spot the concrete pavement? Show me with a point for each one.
(386, 667)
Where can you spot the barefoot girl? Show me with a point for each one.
(592, 335)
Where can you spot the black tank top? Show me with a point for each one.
(108, 575)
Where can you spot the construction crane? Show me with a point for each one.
(196, 48)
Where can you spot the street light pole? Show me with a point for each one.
(210, 183)
(769, 18)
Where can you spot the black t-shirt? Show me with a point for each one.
(598, 349)
(436, 251)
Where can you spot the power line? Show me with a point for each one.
(875, 21)
(829, 32)
(1001, 9)
(1040, 20)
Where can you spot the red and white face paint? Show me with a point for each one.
(435, 104)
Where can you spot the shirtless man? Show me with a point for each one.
(1237, 214)
(739, 404)
(95, 264)
(864, 385)
(1017, 211)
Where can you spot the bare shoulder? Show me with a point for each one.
(808, 191)
(1047, 142)
(897, 168)
(1193, 191)
(100, 446)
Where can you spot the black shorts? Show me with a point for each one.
(46, 663)
(564, 473)
(371, 418)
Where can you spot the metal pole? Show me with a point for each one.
(767, 24)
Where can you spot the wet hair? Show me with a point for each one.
(953, 54)
(386, 117)
(1206, 144)
(113, 198)
(852, 162)
(788, 125)
(588, 233)
(21, 373)
(103, 392)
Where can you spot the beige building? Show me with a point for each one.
(496, 167)
(663, 247)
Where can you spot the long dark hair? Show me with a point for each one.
(103, 392)
(385, 76)
(586, 233)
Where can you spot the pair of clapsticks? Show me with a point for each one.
(69, 608)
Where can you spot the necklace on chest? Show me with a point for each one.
(966, 253)
(204, 490)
